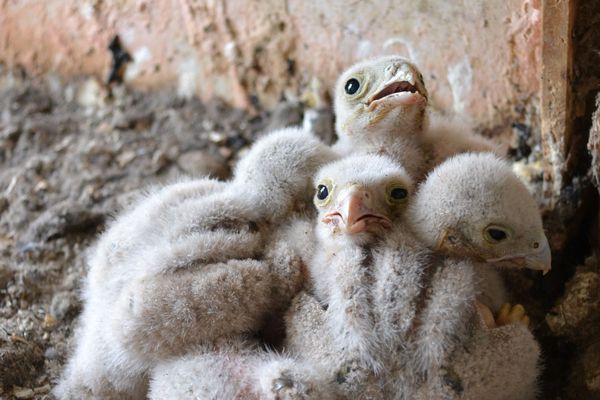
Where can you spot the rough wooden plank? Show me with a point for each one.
(557, 55)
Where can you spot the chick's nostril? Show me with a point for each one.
(536, 245)
(392, 70)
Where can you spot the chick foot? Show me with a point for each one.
(285, 388)
(354, 380)
(510, 314)
(486, 315)
(284, 378)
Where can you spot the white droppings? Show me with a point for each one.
(90, 94)
(460, 77)
(557, 162)
(86, 10)
(230, 51)
(189, 69)
(140, 57)
(127, 36)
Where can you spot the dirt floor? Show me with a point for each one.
(72, 155)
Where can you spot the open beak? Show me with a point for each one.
(355, 213)
(402, 89)
(400, 92)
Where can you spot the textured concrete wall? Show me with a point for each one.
(479, 57)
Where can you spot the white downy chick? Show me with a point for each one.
(194, 262)
(358, 199)
(388, 301)
(381, 106)
(473, 206)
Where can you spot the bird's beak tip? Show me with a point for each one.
(541, 260)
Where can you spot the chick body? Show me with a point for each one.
(473, 207)
(192, 263)
(387, 297)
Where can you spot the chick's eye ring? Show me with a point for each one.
(352, 85)
(322, 192)
(396, 194)
(495, 234)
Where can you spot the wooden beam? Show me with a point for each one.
(557, 68)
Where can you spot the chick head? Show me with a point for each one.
(384, 94)
(360, 197)
(474, 206)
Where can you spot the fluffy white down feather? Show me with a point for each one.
(190, 263)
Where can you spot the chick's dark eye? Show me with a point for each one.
(398, 193)
(352, 86)
(497, 234)
(322, 192)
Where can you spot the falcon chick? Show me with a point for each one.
(358, 199)
(473, 206)
(381, 106)
(256, 373)
(388, 300)
(191, 263)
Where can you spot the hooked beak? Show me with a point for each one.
(355, 212)
(540, 260)
(402, 89)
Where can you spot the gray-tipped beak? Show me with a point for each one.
(542, 259)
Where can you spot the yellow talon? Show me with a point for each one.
(486, 315)
(512, 315)
(517, 313)
(502, 318)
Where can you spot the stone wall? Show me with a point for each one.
(479, 57)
